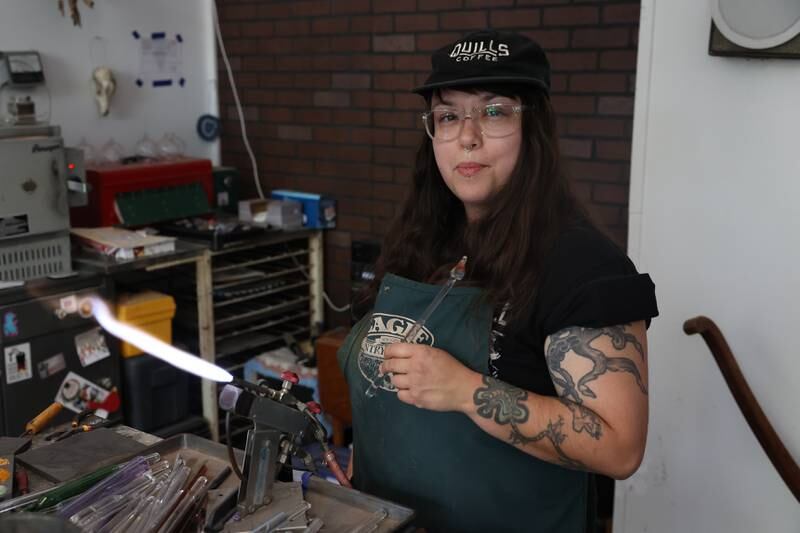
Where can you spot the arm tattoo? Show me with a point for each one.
(506, 406)
(584, 419)
(579, 340)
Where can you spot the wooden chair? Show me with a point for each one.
(757, 420)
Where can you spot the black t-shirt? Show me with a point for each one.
(586, 281)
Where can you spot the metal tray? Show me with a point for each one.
(341, 509)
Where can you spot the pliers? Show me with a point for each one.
(76, 426)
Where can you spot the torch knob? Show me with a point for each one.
(314, 407)
(289, 376)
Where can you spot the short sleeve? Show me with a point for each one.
(590, 282)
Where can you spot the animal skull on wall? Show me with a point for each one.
(74, 14)
(105, 85)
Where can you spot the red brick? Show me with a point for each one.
(599, 127)
(351, 6)
(276, 45)
(463, 20)
(242, 46)
(257, 29)
(440, 5)
(412, 62)
(573, 61)
(273, 10)
(293, 166)
(274, 80)
(294, 98)
(374, 136)
(622, 13)
(598, 83)
(541, 2)
(391, 82)
(488, 3)
(387, 191)
(514, 18)
(351, 81)
(338, 134)
(580, 148)
(371, 24)
(596, 171)
(407, 100)
(569, 104)
(351, 117)
(310, 8)
(600, 38)
(571, 16)
(292, 27)
(373, 62)
(618, 60)
(558, 83)
(312, 81)
(604, 215)
(412, 23)
(614, 150)
(293, 63)
(242, 12)
(247, 79)
(250, 113)
(354, 223)
(331, 99)
(328, 25)
(350, 43)
(409, 138)
(312, 116)
(610, 194)
(549, 39)
(273, 147)
(434, 41)
(372, 99)
(394, 6)
(393, 43)
(393, 119)
(615, 105)
(277, 115)
(332, 62)
(258, 63)
(348, 170)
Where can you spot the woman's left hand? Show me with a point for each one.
(428, 377)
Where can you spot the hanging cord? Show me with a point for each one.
(231, 455)
(236, 100)
(325, 296)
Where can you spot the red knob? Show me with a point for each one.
(314, 407)
(290, 376)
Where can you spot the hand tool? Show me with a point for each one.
(42, 419)
(456, 274)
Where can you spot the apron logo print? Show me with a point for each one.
(385, 329)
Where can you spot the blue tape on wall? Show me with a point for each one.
(162, 83)
(135, 34)
(158, 35)
(179, 37)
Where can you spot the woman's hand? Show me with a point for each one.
(429, 378)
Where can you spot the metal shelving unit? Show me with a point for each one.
(262, 290)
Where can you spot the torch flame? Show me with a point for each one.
(156, 347)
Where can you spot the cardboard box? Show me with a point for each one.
(318, 211)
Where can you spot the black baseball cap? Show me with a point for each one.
(487, 57)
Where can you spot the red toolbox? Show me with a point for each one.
(108, 181)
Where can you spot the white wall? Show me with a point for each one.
(70, 54)
(715, 219)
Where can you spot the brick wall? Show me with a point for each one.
(325, 89)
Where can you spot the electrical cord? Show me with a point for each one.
(235, 92)
(231, 455)
(338, 309)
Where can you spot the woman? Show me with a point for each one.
(533, 370)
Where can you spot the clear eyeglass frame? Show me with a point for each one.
(484, 126)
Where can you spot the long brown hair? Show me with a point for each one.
(507, 246)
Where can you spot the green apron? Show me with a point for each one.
(453, 474)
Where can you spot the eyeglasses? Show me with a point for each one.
(494, 120)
